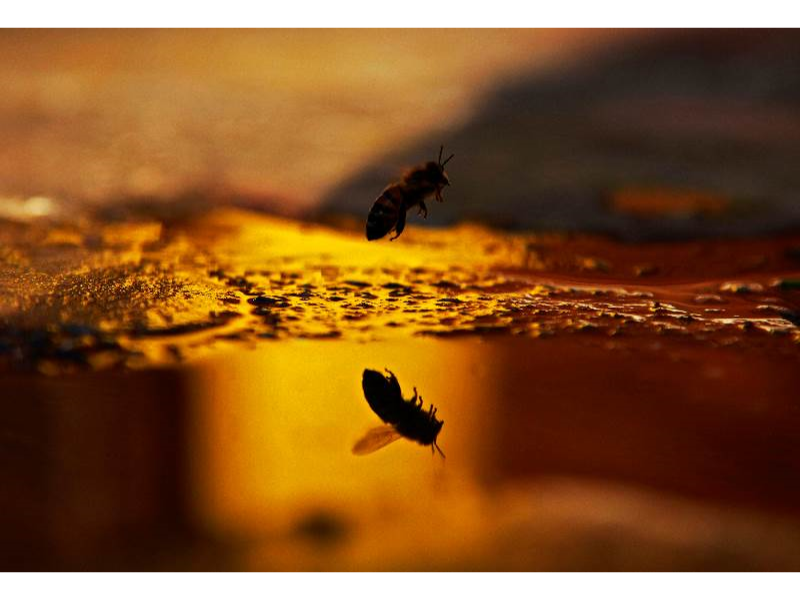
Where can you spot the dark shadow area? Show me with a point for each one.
(94, 471)
(713, 424)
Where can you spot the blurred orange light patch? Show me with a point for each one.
(105, 115)
(648, 202)
(275, 428)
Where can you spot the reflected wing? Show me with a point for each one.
(375, 439)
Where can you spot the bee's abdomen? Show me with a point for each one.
(384, 213)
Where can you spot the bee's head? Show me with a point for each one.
(433, 171)
(435, 174)
(436, 428)
(443, 179)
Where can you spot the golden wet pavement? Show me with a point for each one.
(144, 293)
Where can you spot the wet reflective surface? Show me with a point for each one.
(186, 395)
(244, 461)
(144, 293)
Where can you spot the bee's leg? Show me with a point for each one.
(401, 224)
(439, 195)
(414, 399)
(420, 402)
(423, 210)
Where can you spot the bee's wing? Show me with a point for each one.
(375, 439)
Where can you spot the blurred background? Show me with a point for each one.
(280, 116)
(635, 133)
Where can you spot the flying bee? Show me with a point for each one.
(403, 418)
(389, 211)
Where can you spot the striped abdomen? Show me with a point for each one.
(386, 211)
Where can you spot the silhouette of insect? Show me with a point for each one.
(403, 418)
(389, 210)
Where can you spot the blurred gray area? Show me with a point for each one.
(710, 112)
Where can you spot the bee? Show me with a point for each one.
(403, 418)
(389, 211)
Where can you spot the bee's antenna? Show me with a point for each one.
(448, 158)
(441, 149)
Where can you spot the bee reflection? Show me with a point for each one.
(403, 418)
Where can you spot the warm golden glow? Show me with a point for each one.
(103, 115)
(275, 430)
(183, 335)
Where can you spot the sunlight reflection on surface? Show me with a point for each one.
(286, 419)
